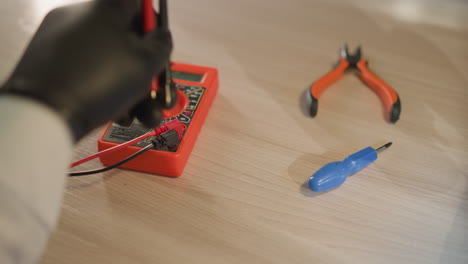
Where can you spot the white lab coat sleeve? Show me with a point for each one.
(35, 150)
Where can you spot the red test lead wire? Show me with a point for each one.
(113, 149)
(149, 18)
(173, 124)
(149, 24)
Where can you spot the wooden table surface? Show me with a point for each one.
(242, 197)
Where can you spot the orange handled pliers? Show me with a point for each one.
(347, 61)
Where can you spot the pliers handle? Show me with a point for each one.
(387, 94)
(320, 85)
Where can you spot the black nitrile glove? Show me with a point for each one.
(91, 63)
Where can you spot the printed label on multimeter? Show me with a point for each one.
(120, 134)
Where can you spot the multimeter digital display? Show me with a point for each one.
(187, 76)
(200, 85)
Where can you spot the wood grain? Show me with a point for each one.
(242, 198)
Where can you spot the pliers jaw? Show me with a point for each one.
(352, 59)
(347, 61)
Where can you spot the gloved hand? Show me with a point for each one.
(91, 63)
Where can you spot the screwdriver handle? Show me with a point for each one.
(335, 173)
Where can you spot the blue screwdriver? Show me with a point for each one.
(335, 173)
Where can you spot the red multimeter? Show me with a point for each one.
(200, 85)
